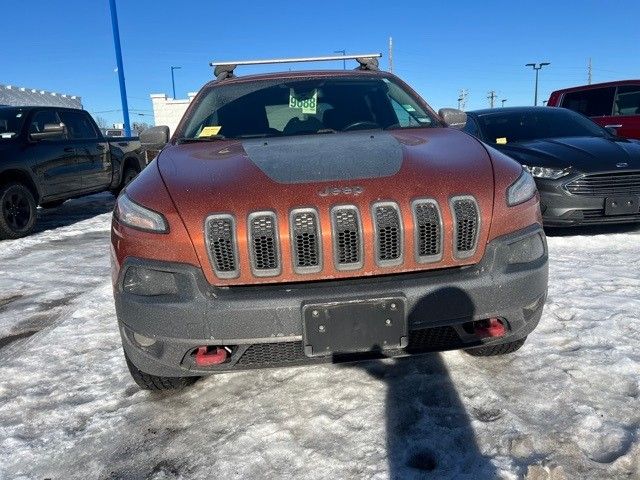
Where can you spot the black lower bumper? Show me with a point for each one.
(263, 325)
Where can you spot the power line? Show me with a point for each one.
(589, 72)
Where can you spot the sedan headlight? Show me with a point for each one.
(545, 172)
(133, 215)
(523, 189)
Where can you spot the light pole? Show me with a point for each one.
(343, 52)
(537, 67)
(503, 101)
(173, 81)
(123, 88)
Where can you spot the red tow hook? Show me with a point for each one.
(207, 358)
(492, 327)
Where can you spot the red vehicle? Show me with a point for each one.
(302, 217)
(613, 105)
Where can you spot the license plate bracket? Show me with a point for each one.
(362, 325)
(623, 205)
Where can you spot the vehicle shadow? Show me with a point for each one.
(429, 432)
(591, 230)
(74, 211)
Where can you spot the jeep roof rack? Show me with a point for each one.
(368, 61)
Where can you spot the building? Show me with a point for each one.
(21, 96)
(169, 111)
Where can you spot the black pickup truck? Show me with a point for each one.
(49, 155)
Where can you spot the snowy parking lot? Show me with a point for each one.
(565, 406)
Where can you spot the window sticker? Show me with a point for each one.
(308, 103)
(210, 131)
(501, 140)
(409, 108)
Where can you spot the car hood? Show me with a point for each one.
(585, 154)
(321, 171)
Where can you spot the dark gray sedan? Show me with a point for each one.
(585, 174)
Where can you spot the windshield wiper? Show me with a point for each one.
(208, 138)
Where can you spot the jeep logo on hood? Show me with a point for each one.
(329, 191)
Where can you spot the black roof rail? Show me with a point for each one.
(223, 70)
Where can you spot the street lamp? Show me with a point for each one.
(343, 52)
(537, 67)
(503, 101)
(173, 81)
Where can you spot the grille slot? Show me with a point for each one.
(305, 241)
(263, 244)
(606, 184)
(466, 219)
(427, 230)
(347, 237)
(222, 246)
(389, 237)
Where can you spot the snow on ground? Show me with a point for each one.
(565, 406)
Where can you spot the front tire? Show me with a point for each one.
(147, 381)
(18, 211)
(492, 350)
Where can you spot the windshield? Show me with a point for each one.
(520, 126)
(298, 107)
(11, 120)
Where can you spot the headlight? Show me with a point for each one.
(523, 189)
(544, 172)
(133, 215)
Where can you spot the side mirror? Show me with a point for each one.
(51, 131)
(155, 136)
(613, 130)
(452, 117)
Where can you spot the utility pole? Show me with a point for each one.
(503, 102)
(123, 88)
(537, 68)
(391, 54)
(492, 97)
(173, 81)
(462, 99)
(343, 52)
(589, 72)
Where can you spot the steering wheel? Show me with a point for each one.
(361, 125)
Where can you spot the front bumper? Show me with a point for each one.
(263, 324)
(559, 207)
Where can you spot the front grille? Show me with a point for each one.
(428, 230)
(263, 233)
(305, 240)
(388, 233)
(344, 226)
(606, 184)
(466, 225)
(221, 244)
(347, 237)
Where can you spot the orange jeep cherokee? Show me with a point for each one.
(302, 217)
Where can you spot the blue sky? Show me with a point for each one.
(439, 47)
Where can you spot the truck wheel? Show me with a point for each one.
(492, 350)
(54, 204)
(17, 211)
(155, 383)
(127, 177)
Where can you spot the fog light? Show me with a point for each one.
(142, 340)
(526, 250)
(146, 282)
